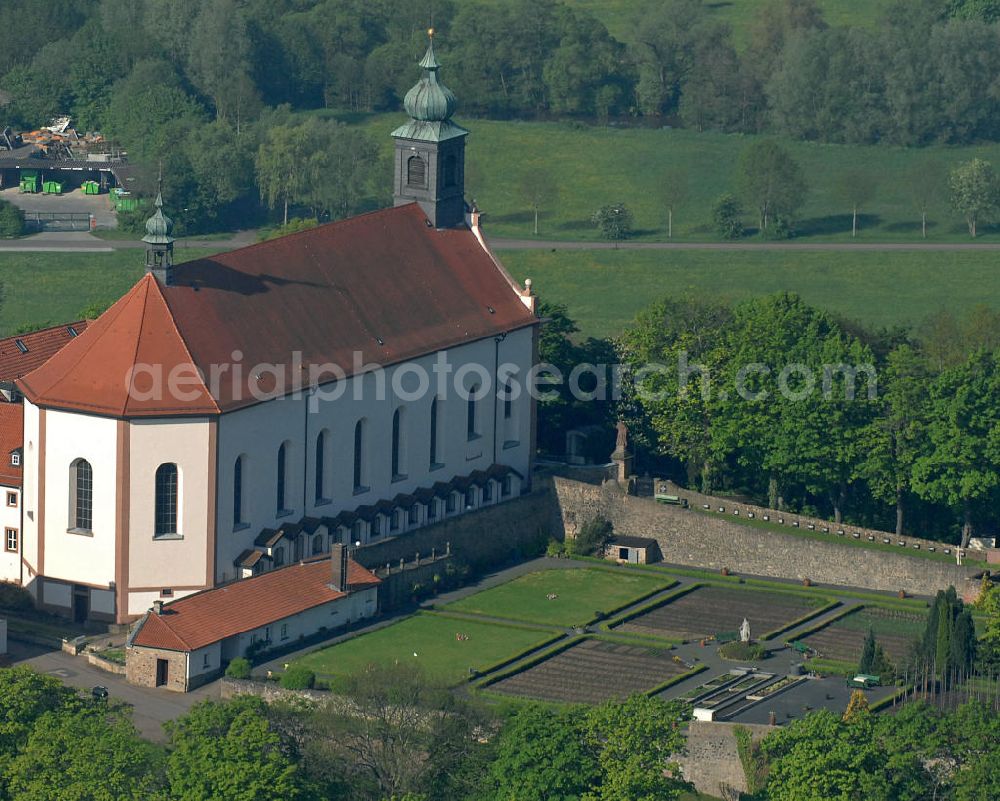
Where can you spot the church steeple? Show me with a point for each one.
(430, 149)
(160, 244)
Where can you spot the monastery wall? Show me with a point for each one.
(713, 542)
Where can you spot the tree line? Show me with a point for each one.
(798, 409)
(196, 87)
(401, 737)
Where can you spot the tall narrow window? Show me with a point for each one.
(472, 424)
(508, 402)
(434, 433)
(166, 500)
(359, 456)
(238, 492)
(397, 445)
(320, 469)
(282, 483)
(416, 171)
(81, 485)
(450, 171)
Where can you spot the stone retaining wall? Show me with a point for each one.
(711, 760)
(713, 542)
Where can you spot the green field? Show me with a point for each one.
(595, 165)
(41, 288)
(605, 289)
(581, 593)
(433, 638)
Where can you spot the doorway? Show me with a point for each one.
(162, 672)
(81, 604)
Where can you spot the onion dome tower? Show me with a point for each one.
(430, 149)
(160, 244)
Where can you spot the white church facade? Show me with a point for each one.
(235, 414)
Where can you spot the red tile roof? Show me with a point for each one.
(11, 438)
(384, 285)
(213, 615)
(36, 349)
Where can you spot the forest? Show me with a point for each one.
(204, 89)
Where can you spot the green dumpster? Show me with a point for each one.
(91, 188)
(52, 188)
(30, 181)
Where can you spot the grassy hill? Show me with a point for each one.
(595, 165)
(605, 289)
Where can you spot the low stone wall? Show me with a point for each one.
(271, 692)
(732, 506)
(714, 542)
(397, 588)
(105, 665)
(712, 761)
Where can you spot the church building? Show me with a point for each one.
(255, 409)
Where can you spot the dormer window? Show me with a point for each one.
(15, 459)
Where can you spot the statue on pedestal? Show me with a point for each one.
(745, 631)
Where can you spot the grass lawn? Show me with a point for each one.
(433, 639)
(580, 593)
(605, 289)
(595, 165)
(52, 288)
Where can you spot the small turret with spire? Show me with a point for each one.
(160, 243)
(430, 149)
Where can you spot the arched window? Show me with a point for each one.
(472, 423)
(320, 468)
(397, 445)
(317, 546)
(416, 172)
(81, 488)
(238, 515)
(435, 451)
(165, 515)
(282, 482)
(279, 556)
(449, 172)
(360, 466)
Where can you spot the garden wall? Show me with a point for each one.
(713, 542)
(711, 760)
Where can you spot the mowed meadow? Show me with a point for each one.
(593, 165)
(605, 289)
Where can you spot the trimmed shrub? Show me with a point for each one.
(239, 668)
(297, 678)
(14, 598)
(11, 221)
(741, 651)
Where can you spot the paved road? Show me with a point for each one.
(151, 708)
(500, 243)
(80, 242)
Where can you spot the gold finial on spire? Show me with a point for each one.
(430, 32)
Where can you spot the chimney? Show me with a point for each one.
(157, 607)
(338, 564)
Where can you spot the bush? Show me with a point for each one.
(726, 215)
(239, 668)
(592, 536)
(297, 678)
(133, 221)
(14, 598)
(743, 652)
(11, 221)
(555, 548)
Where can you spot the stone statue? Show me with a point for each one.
(745, 631)
(622, 442)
